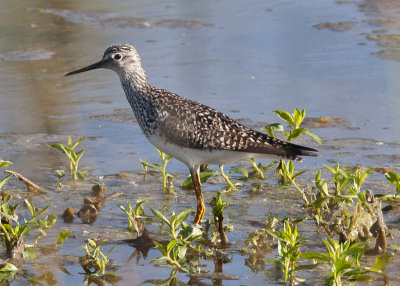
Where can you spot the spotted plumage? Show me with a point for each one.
(189, 131)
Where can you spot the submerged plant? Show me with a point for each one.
(95, 261)
(289, 243)
(10, 228)
(135, 214)
(182, 235)
(167, 178)
(73, 157)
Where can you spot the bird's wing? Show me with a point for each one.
(195, 125)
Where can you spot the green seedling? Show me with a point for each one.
(95, 262)
(218, 214)
(182, 235)
(259, 168)
(287, 171)
(289, 243)
(294, 121)
(162, 169)
(4, 163)
(3, 181)
(394, 179)
(30, 252)
(8, 272)
(73, 157)
(60, 174)
(344, 262)
(135, 214)
(10, 228)
(236, 170)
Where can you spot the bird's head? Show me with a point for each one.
(119, 58)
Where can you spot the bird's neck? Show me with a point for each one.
(134, 80)
(137, 93)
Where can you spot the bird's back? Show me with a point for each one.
(193, 125)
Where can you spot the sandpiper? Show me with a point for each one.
(189, 131)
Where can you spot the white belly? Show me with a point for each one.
(195, 157)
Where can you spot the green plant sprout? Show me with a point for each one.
(95, 261)
(258, 243)
(162, 169)
(259, 168)
(218, 214)
(134, 215)
(73, 157)
(287, 171)
(394, 179)
(182, 236)
(294, 121)
(4, 163)
(11, 233)
(344, 262)
(237, 170)
(60, 174)
(289, 243)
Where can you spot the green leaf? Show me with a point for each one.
(62, 236)
(182, 251)
(91, 243)
(182, 217)
(295, 133)
(160, 216)
(313, 135)
(29, 253)
(319, 202)
(4, 163)
(80, 176)
(392, 177)
(298, 116)
(320, 257)
(58, 146)
(381, 261)
(2, 182)
(31, 207)
(204, 176)
(360, 277)
(271, 127)
(50, 221)
(285, 116)
(139, 205)
(72, 146)
(9, 268)
(342, 264)
(239, 170)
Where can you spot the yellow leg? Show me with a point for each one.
(201, 209)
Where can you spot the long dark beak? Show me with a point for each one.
(94, 66)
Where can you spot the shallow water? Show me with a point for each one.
(336, 59)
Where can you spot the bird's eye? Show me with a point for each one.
(118, 57)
